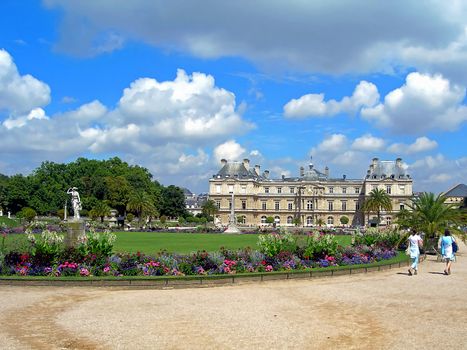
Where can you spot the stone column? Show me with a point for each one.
(75, 228)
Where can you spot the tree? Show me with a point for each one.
(100, 210)
(210, 209)
(431, 215)
(377, 201)
(344, 220)
(141, 204)
(27, 213)
(404, 219)
(320, 222)
(172, 202)
(269, 220)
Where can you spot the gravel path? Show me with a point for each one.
(382, 310)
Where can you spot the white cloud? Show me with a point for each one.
(19, 94)
(336, 143)
(421, 144)
(313, 105)
(424, 102)
(18, 122)
(229, 150)
(368, 142)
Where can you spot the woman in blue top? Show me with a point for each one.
(446, 250)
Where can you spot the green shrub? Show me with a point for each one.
(163, 219)
(95, 243)
(318, 246)
(27, 213)
(274, 243)
(130, 217)
(46, 247)
(344, 220)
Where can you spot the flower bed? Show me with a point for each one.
(278, 252)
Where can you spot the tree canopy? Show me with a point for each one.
(102, 184)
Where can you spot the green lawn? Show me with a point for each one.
(8, 222)
(152, 242)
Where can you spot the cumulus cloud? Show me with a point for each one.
(229, 150)
(19, 94)
(17, 122)
(423, 103)
(421, 144)
(313, 105)
(368, 142)
(362, 36)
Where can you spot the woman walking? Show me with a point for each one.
(415, 242)
(446, 243)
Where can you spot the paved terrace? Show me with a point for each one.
(381, 310)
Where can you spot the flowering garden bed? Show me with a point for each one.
(278, 253)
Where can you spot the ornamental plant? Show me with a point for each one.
(319, 245)
(46, 247)
(98, 244)
(274, 243)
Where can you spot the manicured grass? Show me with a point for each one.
(9, 222)
(182, 243)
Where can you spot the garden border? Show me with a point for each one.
(170, 282)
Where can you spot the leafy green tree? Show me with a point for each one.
(320, 222)
(344, 220)
(431, 215)
(100, 210)
(210, 209)
(173, 202)
(269, 220)
(141, 204)
(19, 191)
(28, 214)
(404, 219)
(377, 201)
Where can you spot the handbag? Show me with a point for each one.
(407, 250)
(455, 247)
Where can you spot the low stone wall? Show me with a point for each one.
(198, 281)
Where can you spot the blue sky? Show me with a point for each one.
(177, 86)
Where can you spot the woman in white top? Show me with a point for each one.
(415, 242)
(445, 244)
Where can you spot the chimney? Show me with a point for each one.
(398, 162)
(246, 163)
(375, 162)
(302, 171)
(257, 168)
(326, 171)
(223, 161)
(266, 174)
(283, 177)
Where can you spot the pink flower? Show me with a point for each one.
(84, 272)
(268, 268)
(106, 269)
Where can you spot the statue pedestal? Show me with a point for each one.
(75, 228)
(232, 228)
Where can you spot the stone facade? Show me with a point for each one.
(311, 198)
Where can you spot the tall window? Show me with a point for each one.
(309, 220)
(279, 190)
(289, 220)
(388, 221)
(218, 188)
(231, 188)
(243, 190)
(344, 189)
(357, 190)
(330, 206)
(388, 189)
(402, 189)
(290, 206)
(357, 205)
(344, 205)
(309, 205)
(266, 190)
(263, 205)
(292, 189)
(401, 206)
(218, 204)
(331, 189)
(277, 219)
(243, 204)
(277, 205)
(330, 220)
(263, 219)
(230, 205)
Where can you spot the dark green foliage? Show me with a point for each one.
(111, 181)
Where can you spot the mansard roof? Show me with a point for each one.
(380, 169)
(238, 170)
(459, 190)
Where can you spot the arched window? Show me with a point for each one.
(388, 221)
(309, 205)
(289, 220)
(330, 220)
(309, 220)
(277, 219)
(242, 219)
(263, 219)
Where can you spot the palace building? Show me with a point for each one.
(312, 198)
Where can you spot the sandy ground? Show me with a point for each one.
(381, 310)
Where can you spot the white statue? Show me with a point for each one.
(75, 201)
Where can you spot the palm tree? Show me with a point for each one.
(377, 201)
(431, 215)
(209, 208)
(320, 222)
(141, 203)
(100, 210)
